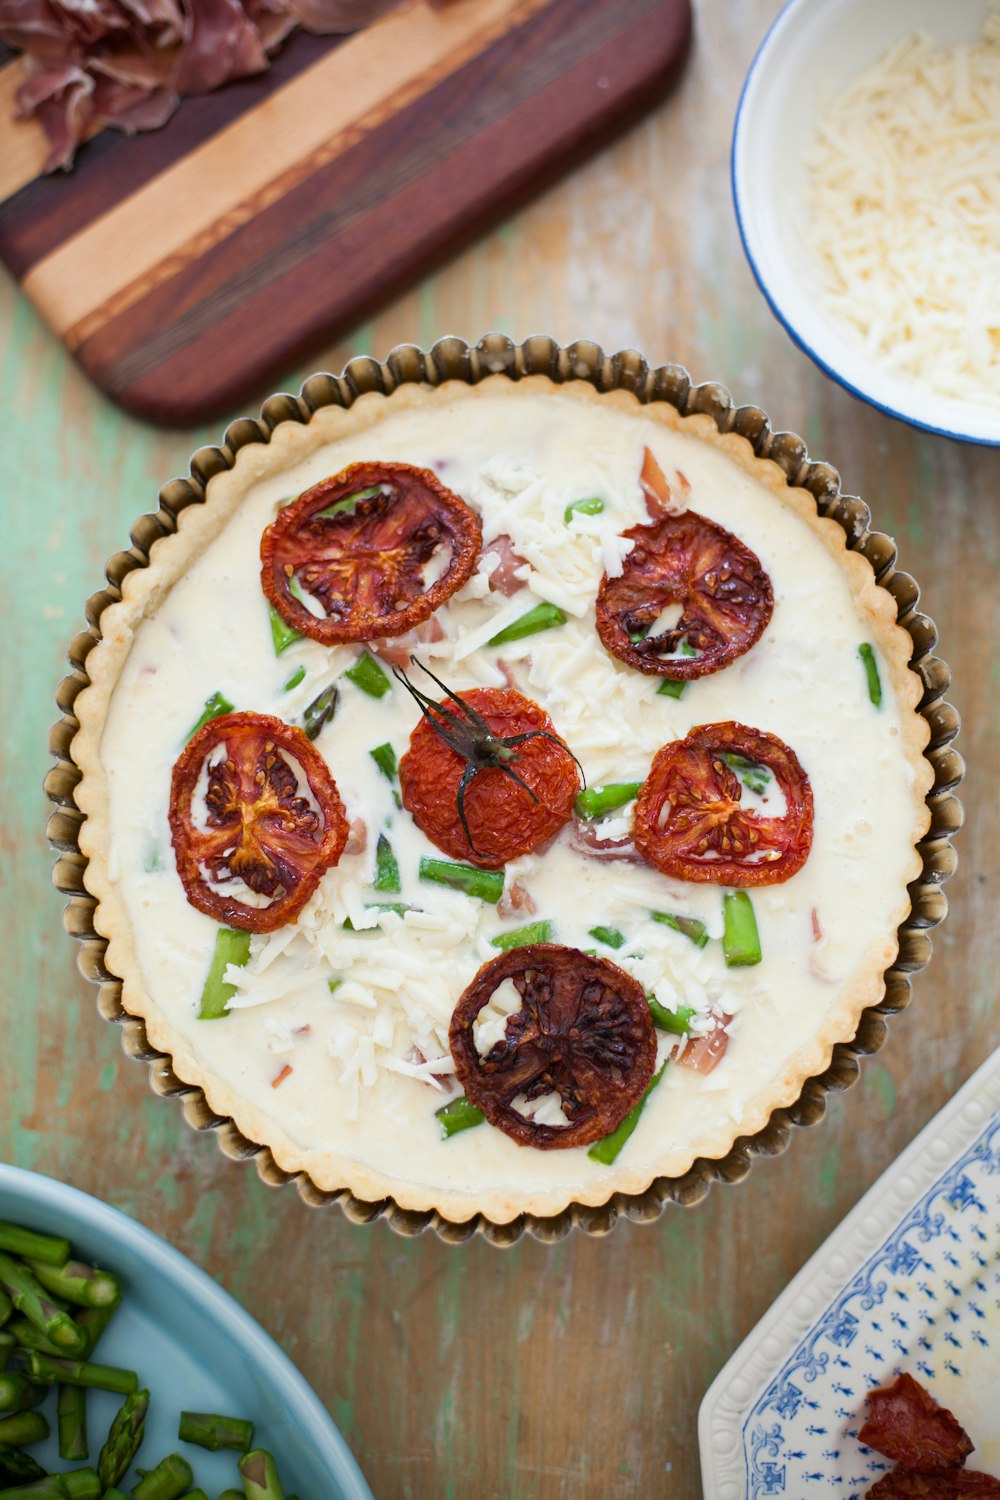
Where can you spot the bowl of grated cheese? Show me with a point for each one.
(866, 180)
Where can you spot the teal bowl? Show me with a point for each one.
(192, 1345)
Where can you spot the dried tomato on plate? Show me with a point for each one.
(951, 1484)
(691, 821)
(253, 803)
(360, 545)
(583, 1032)
(906, 1424)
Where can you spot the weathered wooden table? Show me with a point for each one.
(574, 1371)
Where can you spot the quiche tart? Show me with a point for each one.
(498, 797)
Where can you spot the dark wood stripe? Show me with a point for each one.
(400, 199)
(40, 218)
(7, 54)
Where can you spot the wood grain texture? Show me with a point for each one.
(571, 1373)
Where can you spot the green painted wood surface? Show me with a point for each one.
(567, 1372)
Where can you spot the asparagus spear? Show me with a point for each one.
(320, 711)
(77, 1282)
(53, 1487)
(123, 1440)
(75, 1372)
(740, 938)
(486, 884)
(368, 676)
(209, 1430)
(282, 635)
(168, 1481)
(607, 1150)
(260, 1476)
(214, 708)
(386, 866)
(28, 1337)
(71, 1407)
(458, 1114)
(17, 1393)
(17, 1467)
(34, 1302)
(543, 617)
(83, 1484)
(595, 801)
(871, 673)
(24, 1428)
(94, 1321)
(384, 757)
(50, 1248)
(232, 946)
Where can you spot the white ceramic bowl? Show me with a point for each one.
(812, 52)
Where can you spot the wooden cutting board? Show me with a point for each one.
(185, 267)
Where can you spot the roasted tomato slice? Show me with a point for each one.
(583, 1032)
(906, 1424)
(684, 563)
(361, 545)
(691, 821)
(513, 781)
(239, 815)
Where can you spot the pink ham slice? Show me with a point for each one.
(703, 1053)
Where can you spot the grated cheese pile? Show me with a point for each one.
(904, 203)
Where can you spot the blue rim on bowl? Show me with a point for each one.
(790, 57)
(170, 1301)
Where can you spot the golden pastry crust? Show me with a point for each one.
(170, 557)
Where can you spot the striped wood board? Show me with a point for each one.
(187, 266)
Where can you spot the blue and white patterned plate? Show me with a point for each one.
(909, 1281)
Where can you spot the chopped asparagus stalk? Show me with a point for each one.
(592, 506)
(293, 681)
(754, 776)
(17, 1393)
(209, 1430)
(609, 936)
(7, 1343)
(384, 757)
(83, 1484)
(349, 504)
(23, 1428)
(17, 1467)
(689, 926)
(168, 1481)
(535, 932)
(677, 1021)
(386, 866)
(260, 1476)
(487, 885)
(52, 1487)
(232, 946)
(31, 1299)
(458, 1114)
(669, 688)
(320, 711)
(867, 655)
(123, 1440)
(740, 938)
(595, 801)
(214, 708)
(17, 1241)
(71, 1408)
(368, 676)
(606, 1151)
(282, 635)
(74, 1372)
(94, 1321)
(542, 617)
(77, 1282)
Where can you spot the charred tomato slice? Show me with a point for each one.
(583, 1032)
(690, 817)
(239, 815)
(509, 790)
(682, 561)
(359, 544)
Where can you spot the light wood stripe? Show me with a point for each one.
(25, 144)
(222, 183)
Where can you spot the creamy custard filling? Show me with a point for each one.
(338, 1027)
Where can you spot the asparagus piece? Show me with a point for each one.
(610, 936)
(168, 1481)
(52, 1487)
(214, 708)
(669, 688)
(320, 711)
(24, 1428)
(678, 1021)
(196, 1495)
(282, 635)
(232, 946)
(294, 680)
(689, 926)
(753, 775)
(595, 801)
(83, 1484)
(94, 1321)
(399, 907)
(486, 884)
(458, 1114)
(17, 1467)
(77, 1282)
(386, 866)
(368, 676)
(6, 1306)
(17, 1393)
(209, 1430)
(260, 1476)
(607, 1150)
(28, 1337)
(543, 617)
(384, 757)
(123, 1440)
(34, 1302)
(592, 506)
(75, 1372)
(871, 672)
(740, 938)
(535, 932)
(71, 1407)
(17, 1241)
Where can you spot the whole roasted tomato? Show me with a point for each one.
(239, 816)
(583, 1032)
(486, 776)
(682, 560)
(690, 818)
(361, 545)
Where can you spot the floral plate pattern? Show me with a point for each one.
(909, 1281)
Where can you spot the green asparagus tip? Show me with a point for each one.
(487, 885)
(232, 946)
(18, 1241)
(386, 866)
(80, 1283)
(171, 1479)
(367, 675)
(33, 1301)
(458, 1114)
(75, 1372)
